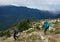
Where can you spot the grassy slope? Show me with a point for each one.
(35, 35)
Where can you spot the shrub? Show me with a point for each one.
(1, 34)
(5, 33)
(8, 34)
(23, 25)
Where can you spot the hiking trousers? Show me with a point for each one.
(15, 37)
(45, 30)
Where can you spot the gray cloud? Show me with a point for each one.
(40, 4)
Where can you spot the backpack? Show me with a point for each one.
(15, 31)
(46, 24)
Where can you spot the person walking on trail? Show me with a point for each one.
(46, 26)
(15, 33)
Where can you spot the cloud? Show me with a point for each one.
(39, 4)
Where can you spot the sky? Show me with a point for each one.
(51, 5)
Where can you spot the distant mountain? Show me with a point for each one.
(57, 16)
(12, 14)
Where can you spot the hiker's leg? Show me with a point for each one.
(15, 36)
(46, 30)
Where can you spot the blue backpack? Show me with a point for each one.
(46, 24)
(15, 31)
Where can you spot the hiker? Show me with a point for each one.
(46, 26)
(15, 34)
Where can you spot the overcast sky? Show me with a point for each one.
(51, 5)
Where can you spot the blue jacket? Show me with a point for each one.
(46, 24)
(15, 31)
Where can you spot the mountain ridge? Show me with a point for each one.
(9, 15)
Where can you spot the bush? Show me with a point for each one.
(8, 34)
(23, 25)
(5, 33)
(1, 34)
